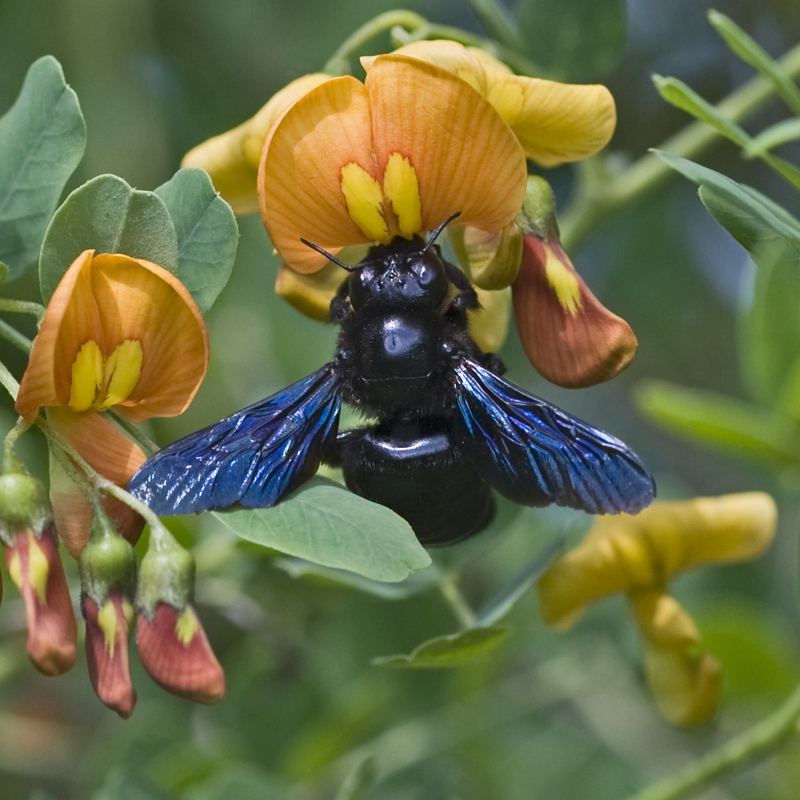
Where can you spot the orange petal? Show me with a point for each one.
(299, 179)
(232, 158)
(47, 377)
(140, 301)
(178, 655)
(568, 335)
(35, 567)
(465, 157)
(109, 452)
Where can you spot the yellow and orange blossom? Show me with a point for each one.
(120, 333)
(637, 555)
(357, 163)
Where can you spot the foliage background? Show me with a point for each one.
(549, 715)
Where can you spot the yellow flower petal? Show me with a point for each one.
(488, 326)
(310, 294)
(640, 553)
(401, 187)
(232, 158)
(561, 122)
(554, 122)
(609, 560)
(491, 259)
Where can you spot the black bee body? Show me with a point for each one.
(447, 428)
(403, 325)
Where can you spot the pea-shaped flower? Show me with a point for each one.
(121, 333)
(638, 555)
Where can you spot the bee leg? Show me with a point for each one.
(340, 308)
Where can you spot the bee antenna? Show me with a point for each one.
(435, 235)
(328, 255)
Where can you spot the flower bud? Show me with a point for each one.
(31, 551)
(108, 576)
(172, 643)
(568, 335)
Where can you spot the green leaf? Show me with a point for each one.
(750, 214)
(453, 650)
(576, 40)
(678, 94)
(3, 271)
(415, 583)
(240, 781)
(207, 234)
(788, 130)
(324, 523)
(507, 597)
(722, 423)
(770, 340)
(751, 52)
(359, 780)
(42, 138)
(107, 215)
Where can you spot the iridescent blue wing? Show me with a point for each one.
(535, 454)
(253, 458)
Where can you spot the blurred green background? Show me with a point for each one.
(549, 715)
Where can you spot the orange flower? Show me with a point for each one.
(554, 122)
(351, 163)
(118, 332)
(638, 555)
(231, 159)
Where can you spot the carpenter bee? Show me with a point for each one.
(447, 430)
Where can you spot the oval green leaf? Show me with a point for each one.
(107, 215)
(453, 650)
(722, 423)
(42, 139)
(207, 234)
(324, 523)
(361, 778)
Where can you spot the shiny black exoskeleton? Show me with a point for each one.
(447, 428)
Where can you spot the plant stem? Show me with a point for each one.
(448, 586)
(759, 741)
(15, 337)
(22, 307)
(597, 200)
(497, 21)
(339, 62)
(8, 381)
(146, 443)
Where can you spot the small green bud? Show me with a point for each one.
(24, 506)
(107, 562)
(538, 213)
(166, 575)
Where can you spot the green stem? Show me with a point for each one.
(448, 586)
(22, 307)
(599, 199)
(497, 21)
(761, 740)
(8, 381)
(339, 62)
(15, 337)
(147, 444)
(10, 461)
